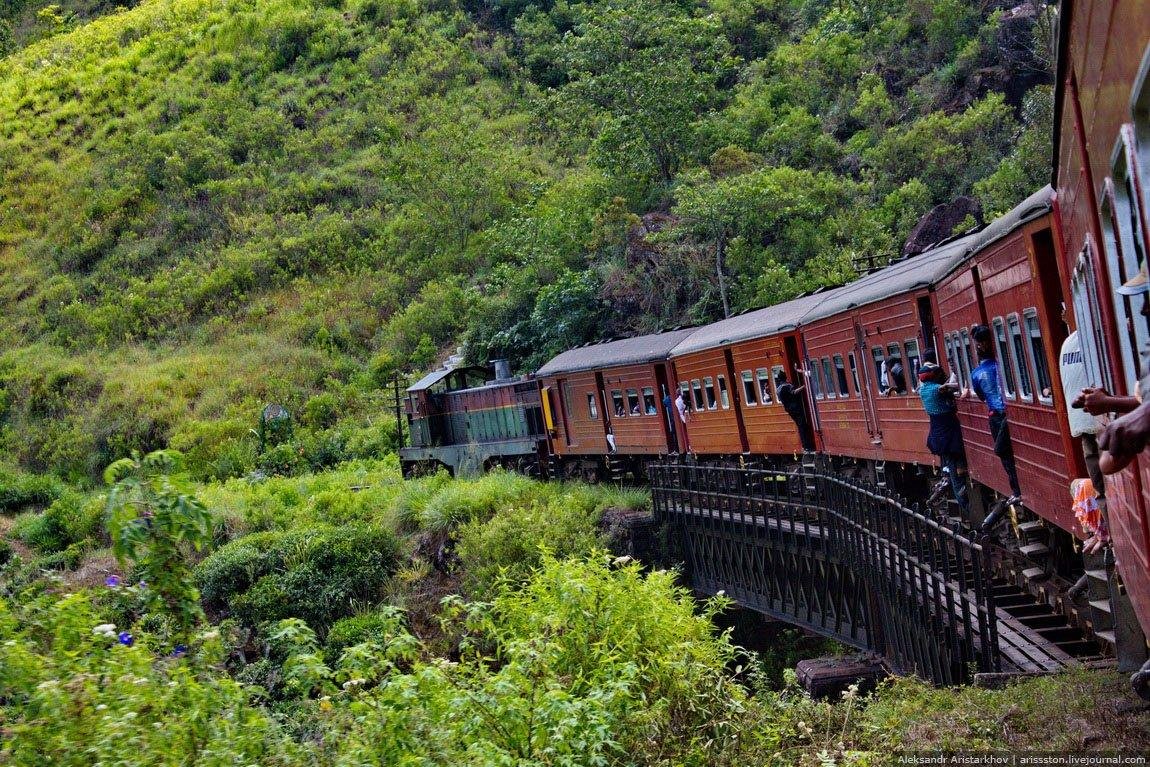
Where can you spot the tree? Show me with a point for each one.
(648, 71)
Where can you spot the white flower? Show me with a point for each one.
(105, 629)
(620, 561)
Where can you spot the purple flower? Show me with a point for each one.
(143, 584)
(126, 639)
(112, 581)
(179, 651)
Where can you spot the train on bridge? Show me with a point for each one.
(605, 410)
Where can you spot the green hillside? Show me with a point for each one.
(206, 205)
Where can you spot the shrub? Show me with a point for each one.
(231, 570)
(316, 573)
(71, 519)
(285, 460)
(376, 626)
(20, 490)
(141, 710)
(512, 543)
(41, 532)
(321, 411)
(476, 499)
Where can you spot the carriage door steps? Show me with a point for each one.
(1033, 637)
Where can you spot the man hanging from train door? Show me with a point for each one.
(684, 411)
(987, 383)
(794, 403)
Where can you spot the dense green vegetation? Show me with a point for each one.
(335, 631)
(206, 205)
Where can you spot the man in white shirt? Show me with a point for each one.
(684, 416)
(1072, 371)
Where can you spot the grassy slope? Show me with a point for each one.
(222, 197)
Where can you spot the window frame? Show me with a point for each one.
(1002, 350)
(815, 378)
(634, 403)
(724, 395)
(593, 406)
(618, 404)
(840, 367)
(831, 391)
(697, 392)
(912, 364)
(1018, 343)
(879, 364)
(968, 354)
(710, 398)
(649, 391)
(775, 370)
(1028, 315)
(1088, 319)
(1123, 246)
(764, 375)
(854, 372)
(748, 378)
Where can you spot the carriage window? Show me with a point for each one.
(1025, 381)
(724, 399)
(879, 358)
(1002, 348)
(765, 391)
(828, 380)
(617, 403)
(1038, 357)
(649, 406)
(1086, 319)
(815, 378)
(1125, 254)
(854, 373)
(697, 388)
(968, 355)
(841, 376)
(913, 363)
(592, 408)
(633, 402)
(1140, 108)
(749, 388)
(709, 390)
(952, 358)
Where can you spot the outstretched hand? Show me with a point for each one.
(1123, 439)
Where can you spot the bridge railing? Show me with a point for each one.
(839, 557)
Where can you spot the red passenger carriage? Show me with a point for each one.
(1102, 180)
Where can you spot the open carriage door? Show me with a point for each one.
(795, 358)
(870, 386)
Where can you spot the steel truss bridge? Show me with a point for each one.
(850, 562)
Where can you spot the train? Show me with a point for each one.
(606, 410)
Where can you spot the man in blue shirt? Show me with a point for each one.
(988, 386)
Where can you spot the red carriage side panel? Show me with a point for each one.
(578, 412)
(1018, 314)
(713, 427)
(769, 429)
(846, 420)
(635, 409)
(893, 327)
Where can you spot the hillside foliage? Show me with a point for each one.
(208, 205)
